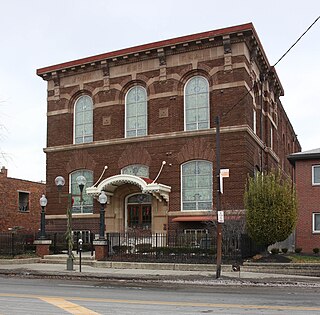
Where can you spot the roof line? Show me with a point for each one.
(153, 45)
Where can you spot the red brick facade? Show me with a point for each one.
(19, 202)
(241, 81)
(308, 195)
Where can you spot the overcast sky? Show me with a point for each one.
(38, 33)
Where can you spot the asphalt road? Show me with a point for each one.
(47, 296)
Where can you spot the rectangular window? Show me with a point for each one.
(271, 138)
(316, 175)
(254, 121)
(316, 222)
(23, 201)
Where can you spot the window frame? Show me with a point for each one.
(313, 177)
(197, 188)
(75, 124)
(26, 194)
(136, 165)
(197, 106)
(314, 231)
(136, 116)
(84, 195)
(254, 118)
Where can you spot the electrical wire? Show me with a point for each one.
(241, 99)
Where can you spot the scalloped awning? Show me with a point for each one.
(110, 184)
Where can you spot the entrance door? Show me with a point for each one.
(139, 216)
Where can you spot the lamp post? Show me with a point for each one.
(43, 203)
(60, 181)
(102, 200)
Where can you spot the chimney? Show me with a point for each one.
(3, 172)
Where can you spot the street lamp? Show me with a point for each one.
(102, 200)
(43, 203)
(60, 181)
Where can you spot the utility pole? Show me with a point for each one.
(218, 199)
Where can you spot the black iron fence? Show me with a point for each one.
(59, 244)
(13, 243)
(143, 246)
(177, 247)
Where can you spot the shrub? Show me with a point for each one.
(284, 250)
(298, 250)
(316, 250)
(274, 251)
(121, 249)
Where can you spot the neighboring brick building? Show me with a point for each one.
(19, 203)
(133, 108)
(307, 178)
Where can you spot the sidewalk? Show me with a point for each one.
(147, 273)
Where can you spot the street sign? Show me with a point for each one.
(224, 173)
(220, 217)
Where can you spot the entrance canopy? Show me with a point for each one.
(110, 184)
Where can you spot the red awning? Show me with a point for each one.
(192, 218)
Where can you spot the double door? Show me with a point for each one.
(139, 216)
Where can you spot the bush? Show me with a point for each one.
(121, 249)
(298, 250)
(284, 250)
(316, 250)
(274, 251)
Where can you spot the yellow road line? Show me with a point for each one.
(68, 306)
(168, 303)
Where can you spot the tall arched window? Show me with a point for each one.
(196, 104)
(196, 183)
(87, 206)
(83, 120)
(136, 112)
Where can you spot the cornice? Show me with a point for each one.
(157, 50)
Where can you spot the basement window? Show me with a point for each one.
(23, 201)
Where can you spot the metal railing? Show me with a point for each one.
(14, 243)
(175, 247)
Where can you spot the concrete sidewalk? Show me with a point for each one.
(146, 272)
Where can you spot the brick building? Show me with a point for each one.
(19, 203)
(307, 177)
(134, 108)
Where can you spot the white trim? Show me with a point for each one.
(313, 223)
(181, 185)
(74, 119)
(159, 191)
(184, 103)
(313, 182)
(125, 112)
(254, 121)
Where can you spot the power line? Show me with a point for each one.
(306, 31)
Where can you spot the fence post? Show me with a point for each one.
(55, 242)
(157, 252)
(91, 243)
(12, 244)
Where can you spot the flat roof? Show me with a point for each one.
(305, 155)
(154, 45)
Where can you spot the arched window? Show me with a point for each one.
(196, 104)
(87, 206)
(83, 120)
(136, 112)
(196, 183)
(137, 170)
